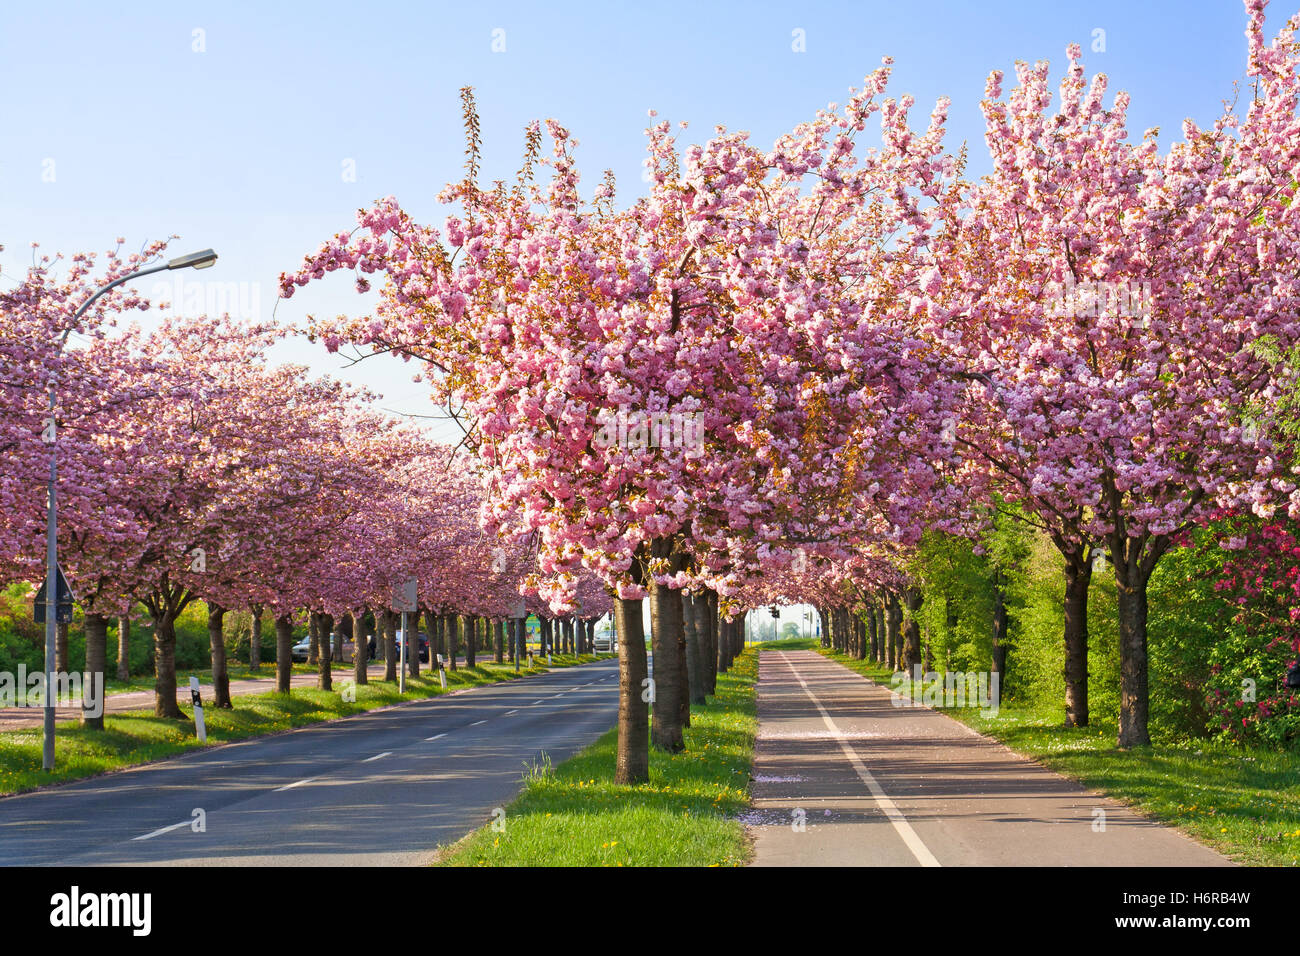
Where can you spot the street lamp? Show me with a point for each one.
(195, 260)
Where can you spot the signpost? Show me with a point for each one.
(50, 611)
(406, 600)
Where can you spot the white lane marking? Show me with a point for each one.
(510, 712)
(386, 753)
(162, 830)
(435, 736)
(553, 696)
(535, 702)
(290, 786)
(477, 722)
(909, 837)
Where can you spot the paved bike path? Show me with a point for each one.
(844, 777)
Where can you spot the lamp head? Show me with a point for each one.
(195, 260)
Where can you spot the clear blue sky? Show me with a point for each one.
(242, 146)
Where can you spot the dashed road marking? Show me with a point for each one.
(162, 830)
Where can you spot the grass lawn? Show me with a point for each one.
(138, 737)
(574, 814)
(1243, 802)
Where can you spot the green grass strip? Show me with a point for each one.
(575, 815)
(138, 737)
(1243, 802)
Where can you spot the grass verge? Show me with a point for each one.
(1243, 802)
(574, 814)
(138, 737)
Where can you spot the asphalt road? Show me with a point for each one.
(842, 777)
(382, 788)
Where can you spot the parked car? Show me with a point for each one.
(423, 645)
(604, 643)
(302, 650)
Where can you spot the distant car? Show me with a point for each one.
(423, 645)
(302, 650)
(604, 643)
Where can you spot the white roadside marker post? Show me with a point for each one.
(198, 710)
(442, 672)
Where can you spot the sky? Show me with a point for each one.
(259, 129)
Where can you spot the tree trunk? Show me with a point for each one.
(255, 638)
(666, 643)
(220, 669)
(164, 657)
(683, 670)
(711, 676)
(471, 637)
(700, 608)
(893, 629)
(360, 652)
(1134, 701)
(124, 647)
(912, 597)
(633, 763)
(499, 634)
(1000, 630)
(61, 648)
(873, 636)
(694, 677)
(1078, 575)
(324, 666)
(336, 642)
(449, 624)
(389, 633)
(313, 632)
(92, 688)
(284, 653)
(431, 629)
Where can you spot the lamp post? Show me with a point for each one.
(195, 260)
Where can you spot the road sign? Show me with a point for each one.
(405, 597)
(63, 601)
